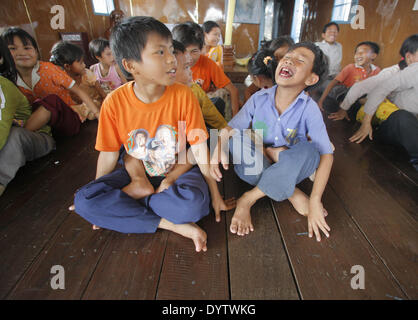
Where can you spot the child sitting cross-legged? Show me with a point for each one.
(153, 118)
(291, 142)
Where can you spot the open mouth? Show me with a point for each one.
(172, 72)
(285, 73)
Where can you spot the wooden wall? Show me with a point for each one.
(34, 16)
(387, 22)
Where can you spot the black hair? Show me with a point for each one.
(263, 63)
(178, 47)
(189, 33)
(320, 63)
(207, 26)
(7, 67)
(372, 45)
(129, 38)
(64, 52)
(97, 46)
(329, 24)
(409, 45)
(9, 34)
(280, 42)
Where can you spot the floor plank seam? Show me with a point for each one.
(161, 268)
(276, 218)
(369, 242)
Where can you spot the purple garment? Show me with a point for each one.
(300, 119)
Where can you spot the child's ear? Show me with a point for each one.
(373, 56)
(129, 66)
(67, 67)
(323, 35)
(312, 79)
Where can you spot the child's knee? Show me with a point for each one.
(194, 208)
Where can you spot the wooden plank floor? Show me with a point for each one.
(372, 200)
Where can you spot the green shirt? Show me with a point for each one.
(211, 115)
(13, 105)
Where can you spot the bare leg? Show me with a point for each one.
(140, 187)
(188, 230)
(273, 153)
(300, 202)
(241, 220)
(38, 119)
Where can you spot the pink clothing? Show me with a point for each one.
(111, 81)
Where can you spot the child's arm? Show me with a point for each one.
(106, 163)
(331, 85)
(86, 99)
(249, 91)
(233, 91)
(173, 175)
(201, 154)
(316, 219)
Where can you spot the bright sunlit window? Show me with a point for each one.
(341, 12)
(103, 7)
(297, 20)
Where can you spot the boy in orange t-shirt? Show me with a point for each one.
(152, 118)
(205, 70)
(363, 68)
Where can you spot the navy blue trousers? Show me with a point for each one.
(103, 203)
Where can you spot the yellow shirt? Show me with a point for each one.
(211, 115)
(216, 54)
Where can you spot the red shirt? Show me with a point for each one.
(353, 73)
(206, 71)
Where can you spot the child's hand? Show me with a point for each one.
(339, 115)
(362, 133)
(165, 184)
(218, 156)
(316, 220)
(220, 204)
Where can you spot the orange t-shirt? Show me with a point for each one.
(206, 71)
(152, 132)
(352, 74)
(48, 79)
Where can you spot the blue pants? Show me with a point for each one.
(103, 203)
(277, 180)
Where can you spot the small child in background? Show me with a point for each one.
(261, 68)
(69, 57)
(106, 70)
(44, 80)
(362, 68)
(212, 48)
(206, 71)
(279, 48)
(184, 75)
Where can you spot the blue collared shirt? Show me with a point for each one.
(300, 119)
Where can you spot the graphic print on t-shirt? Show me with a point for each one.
(157, 153)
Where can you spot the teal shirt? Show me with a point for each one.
(13, 105)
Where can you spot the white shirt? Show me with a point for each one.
(334, 52)
(401, 89)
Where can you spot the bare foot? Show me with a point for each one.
(300, 202)
(188, 230)
(72, 208)
(273, 153)
(241, 220)
(138, 189)
(95, 227)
